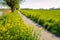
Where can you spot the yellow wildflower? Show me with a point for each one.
(3, 29)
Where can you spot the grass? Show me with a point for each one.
(13, 28)
(49, 19)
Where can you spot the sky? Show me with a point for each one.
(36, 4)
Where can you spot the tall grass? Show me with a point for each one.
(49, 19)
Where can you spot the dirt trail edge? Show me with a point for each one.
(45, 35)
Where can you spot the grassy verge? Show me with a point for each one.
(13, 28)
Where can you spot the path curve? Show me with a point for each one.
(45, 35)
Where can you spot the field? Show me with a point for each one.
(13, 28)
(49, 19)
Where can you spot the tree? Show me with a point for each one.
(13, 4)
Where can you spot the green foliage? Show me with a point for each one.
(49, 19)
(13, 4)
(17, 6)
(13, 28)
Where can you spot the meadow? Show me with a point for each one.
(13, 28)
(49, 19)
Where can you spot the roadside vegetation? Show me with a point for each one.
(49, 19)
(13, 28)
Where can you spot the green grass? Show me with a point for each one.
(49, 19)
(13, 28)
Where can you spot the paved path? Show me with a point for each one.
(45, 35)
